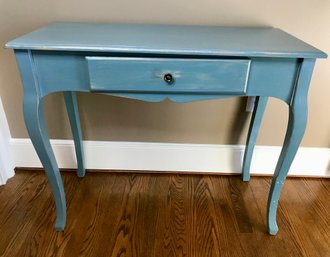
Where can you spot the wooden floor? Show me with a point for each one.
(146, 215)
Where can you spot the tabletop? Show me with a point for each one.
(158, 39)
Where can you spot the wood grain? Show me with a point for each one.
(127, 214)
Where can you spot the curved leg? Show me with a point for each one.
(34, 120)
(258, 112)
(73, 113)
(295, 131)
(35, 123)
(294, 134)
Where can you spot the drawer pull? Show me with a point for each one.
(168, 78)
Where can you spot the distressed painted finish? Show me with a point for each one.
(68, 57)
(166, 39)
(294, 134)
(279, 73)
(36, 126)
(188, 75)
(258, 112)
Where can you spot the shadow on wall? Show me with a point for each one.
(240, 120)
(241, 117)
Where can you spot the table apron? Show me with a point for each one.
(274, 77)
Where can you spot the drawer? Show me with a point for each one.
(168, 75)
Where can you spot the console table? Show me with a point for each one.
(157, 62)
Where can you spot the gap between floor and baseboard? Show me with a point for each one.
(173, 157)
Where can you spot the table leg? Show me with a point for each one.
(258, 111)
(73, 113)
(34, 120)
(295, 131)
(35, 123)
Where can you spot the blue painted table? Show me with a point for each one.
(155, 62)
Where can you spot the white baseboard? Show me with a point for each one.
(174, 157)
(6, 164)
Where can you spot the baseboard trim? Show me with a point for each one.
(6, 164)
(167, 157)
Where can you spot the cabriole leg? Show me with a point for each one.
(294, 134)
(73, 113)
(35, 123)
(258, 111)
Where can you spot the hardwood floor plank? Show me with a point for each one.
(11, 187)
(205, 234)
(229, 238)
(161, 215)
(129, 230)
(21, 192)
(283, 244)
(91, 204)
(42, 240)
(309, 210)
(242, 217)
(173, 216)
(21, 215)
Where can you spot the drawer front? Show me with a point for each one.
(168, 75)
